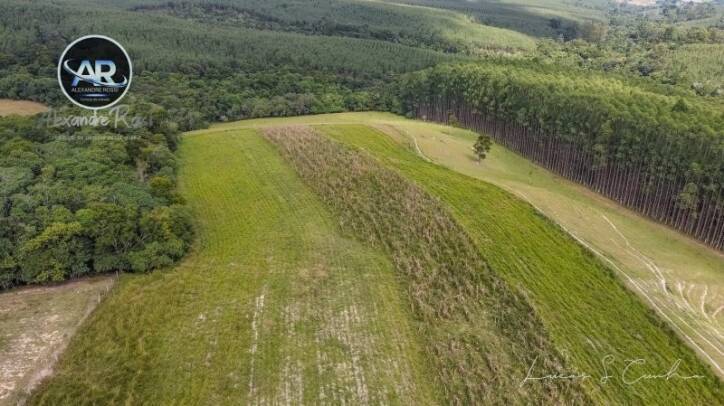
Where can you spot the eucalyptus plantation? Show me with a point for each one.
(631, 144)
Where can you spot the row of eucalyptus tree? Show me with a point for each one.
(660, 155)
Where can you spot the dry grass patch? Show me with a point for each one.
(480, 333)
(20, 107)
(35, 325)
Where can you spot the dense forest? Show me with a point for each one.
(525, 80)
(81, 201)
(660, 155)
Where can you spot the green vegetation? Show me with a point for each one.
(420, 27)
(434, 287)
(259, 246)
(578, 299)
(649, 42)
(76, 202)
(539, 18)
(699, 65)
(482, 146)
(677, 276)
(481, 334)
(660, 155)
(181, 63)
(273, 305)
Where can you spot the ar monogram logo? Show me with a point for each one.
(94, 72)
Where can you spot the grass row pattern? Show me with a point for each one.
(599, 326)
(480, 334)
(272, 307)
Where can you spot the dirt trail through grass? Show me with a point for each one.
(272, 307)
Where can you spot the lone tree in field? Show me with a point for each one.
(453, 121)
(482, 146)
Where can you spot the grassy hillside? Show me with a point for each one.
(276, 295)
(678, 276)
(481, 334)
(532, 17)
(673, 274)
(273, 306)
(579, 300)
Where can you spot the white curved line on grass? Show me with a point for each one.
(641, 290)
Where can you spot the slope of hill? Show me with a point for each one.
(677, 276)
(274, 305)
(578, 298)
(539, 18)
(481, 334)
(674, 275)
(439, 29)
(260, 277)
(341, 263)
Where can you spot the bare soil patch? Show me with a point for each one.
(35, 326)
(20, 107)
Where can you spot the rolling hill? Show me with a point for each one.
(363, 257)
(301, 270)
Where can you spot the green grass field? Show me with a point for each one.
(280, 303)
(273, 306)
(482, 334)
(579, 300)
(678, 277)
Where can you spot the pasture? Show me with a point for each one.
(273, 305)
(579, 299)
(297, 293)
(674, 275)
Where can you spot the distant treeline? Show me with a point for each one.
(203, 72)
(76, 202)
(662, 156)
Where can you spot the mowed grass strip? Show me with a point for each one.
(273, 306)
(480, 333)
(587, 311)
